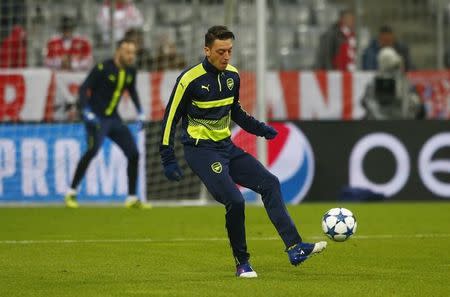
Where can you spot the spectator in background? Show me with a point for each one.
(126, 16)
(12, 13)
(13, 49)
(167, 57)
(337, 48)
(143, 55)
(68, 51)
(386, 38)
(390, 95)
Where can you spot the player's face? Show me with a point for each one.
(219, 54)
(127, 53)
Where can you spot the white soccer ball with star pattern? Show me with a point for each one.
(339, 224)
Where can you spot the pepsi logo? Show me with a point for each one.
(290, 158)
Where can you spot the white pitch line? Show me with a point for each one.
(149, 240)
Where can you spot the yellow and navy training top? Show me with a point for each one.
(206, 99)
(103, 88)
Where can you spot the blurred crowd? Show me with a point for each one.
(389, 95)
(68, 49)
(72, 51)
(338, 46)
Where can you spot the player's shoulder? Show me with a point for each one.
(190, 74)
(132, 70)
(103, 65)
(232, 73)
(231, 68)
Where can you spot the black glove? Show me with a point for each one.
(171, 169)
(269, 132)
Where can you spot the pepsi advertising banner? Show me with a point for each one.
(37, 163)
(290, 158)
(401, 160)
(332, 160)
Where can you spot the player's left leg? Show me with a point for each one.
(122, 136)
(95, 136)
(211, 166)
(250, 173)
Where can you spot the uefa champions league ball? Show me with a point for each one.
(339, 224)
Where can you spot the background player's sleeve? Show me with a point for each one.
(88, 84)
(133, 93)
(174, 110)
(243, 119)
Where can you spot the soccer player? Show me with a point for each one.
(99, 95)
(206, 98)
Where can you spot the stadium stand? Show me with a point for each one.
(295, 25)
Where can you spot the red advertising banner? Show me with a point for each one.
(42, 95)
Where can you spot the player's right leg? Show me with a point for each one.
(122, 136)
(300, 252)
(250, 173)
(212, 168)
(95, 136)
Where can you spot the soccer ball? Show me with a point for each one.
(339, 224)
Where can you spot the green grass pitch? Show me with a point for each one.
(400, 249)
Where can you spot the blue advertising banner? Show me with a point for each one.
(37, 162)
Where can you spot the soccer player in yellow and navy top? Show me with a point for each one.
(99, 96)
(206, 99)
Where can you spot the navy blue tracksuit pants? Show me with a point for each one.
(223, 165)
(118, 132)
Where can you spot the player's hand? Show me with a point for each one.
(140, 120)
(269, 132)
(171, 169)
(89, 117)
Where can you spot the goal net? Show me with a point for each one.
(42, 137)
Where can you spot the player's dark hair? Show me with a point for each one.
(386, 29)
(124, 40)
(217, 32)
